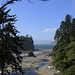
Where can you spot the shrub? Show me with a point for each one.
(30, 54)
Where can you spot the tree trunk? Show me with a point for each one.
(2, 51)
(2, 67)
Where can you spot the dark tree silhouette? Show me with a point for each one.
(28, 43)
(9, 42)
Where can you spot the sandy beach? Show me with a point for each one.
(29, 62)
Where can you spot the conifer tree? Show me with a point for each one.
(64, 51)
(73, 30)
(9, 42)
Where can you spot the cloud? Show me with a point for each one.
(50, 29)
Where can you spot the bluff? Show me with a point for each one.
(28, 43)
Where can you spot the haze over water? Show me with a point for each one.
(44, 47)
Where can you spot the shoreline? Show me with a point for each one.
(36, 52)
(30, 62)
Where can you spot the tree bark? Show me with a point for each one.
(2, 66)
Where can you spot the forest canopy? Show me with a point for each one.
(64, 51)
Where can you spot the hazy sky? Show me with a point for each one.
(41, 19)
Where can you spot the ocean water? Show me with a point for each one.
(40, 48)
(30, 71)
(35, 53)
(44, 47)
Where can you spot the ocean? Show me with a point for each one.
(39, 49)
(30, 71)
(44, 47)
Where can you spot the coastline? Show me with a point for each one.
(30, 62)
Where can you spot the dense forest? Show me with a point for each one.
(28, 43)
(64, 51)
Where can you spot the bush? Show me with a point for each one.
(30, 54)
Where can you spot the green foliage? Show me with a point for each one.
(64, 51)
(30, 54)
(9, 42)
(70, 71)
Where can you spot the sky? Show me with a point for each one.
(41, 19)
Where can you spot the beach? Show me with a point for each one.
(41, 62)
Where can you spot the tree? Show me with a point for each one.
(57, 36)
(7, 2)
(73, 30)
(64, 51)
(9, 42)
